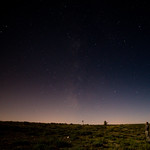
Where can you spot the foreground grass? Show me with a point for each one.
(40, 136)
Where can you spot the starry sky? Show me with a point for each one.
(69, 61)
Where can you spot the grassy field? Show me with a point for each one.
(40, 136)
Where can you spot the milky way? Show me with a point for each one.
(74, 61)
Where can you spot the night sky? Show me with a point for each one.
(69, 61)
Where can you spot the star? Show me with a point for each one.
(115, 91)
(140, 28)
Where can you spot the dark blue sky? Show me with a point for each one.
(70, 61)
